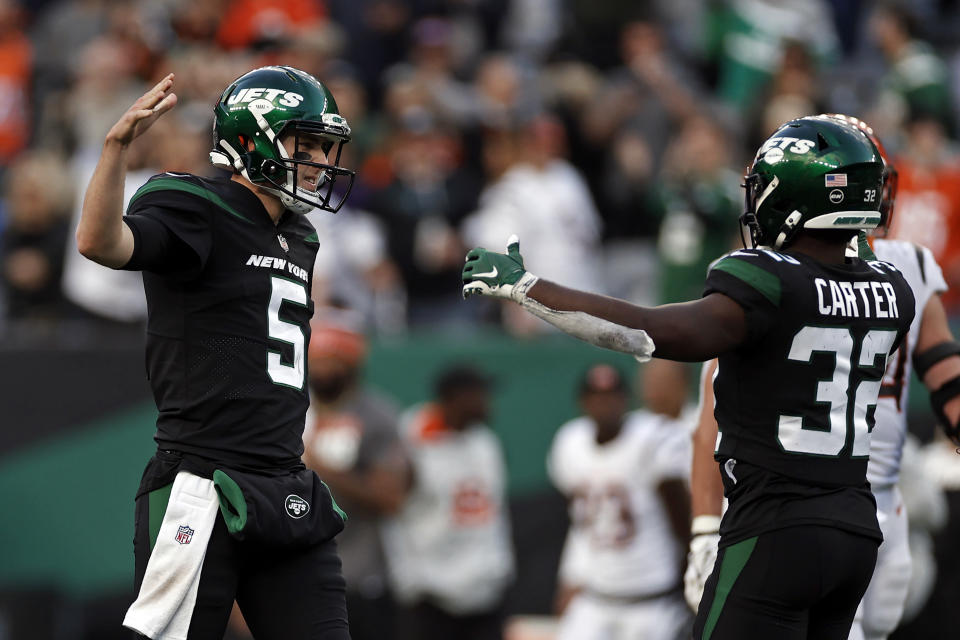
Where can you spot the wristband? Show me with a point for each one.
(519, 290)
(705, 524)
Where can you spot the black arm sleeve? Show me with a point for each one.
(171, 235)
(760, 310)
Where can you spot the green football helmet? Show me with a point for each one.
(813, 173)
(270, 104)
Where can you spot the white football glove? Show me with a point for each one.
(701, 558)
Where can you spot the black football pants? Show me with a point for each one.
(283, 595)
(796, 583)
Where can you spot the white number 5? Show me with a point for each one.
(289, 375)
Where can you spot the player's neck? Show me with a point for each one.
(606, 433)
(821, 250)
(269, 201)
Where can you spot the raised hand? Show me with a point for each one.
(144, 112)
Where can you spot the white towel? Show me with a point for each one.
(167, 596)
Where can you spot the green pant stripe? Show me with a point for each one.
(158, 500)
(734, 560)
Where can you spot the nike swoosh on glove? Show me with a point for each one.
(488, 273)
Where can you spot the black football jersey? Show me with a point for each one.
(228, 297)
(796, 401)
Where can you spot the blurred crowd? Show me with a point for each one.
(610, 136)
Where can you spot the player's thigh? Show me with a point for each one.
(742, 597)
(218, 576)
(765, 587)
(887, 594)
(586, 618)
(666, 618)
(847, 562)
(294, 594)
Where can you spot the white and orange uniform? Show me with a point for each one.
(620, 549)
(882, 605)
(450, 543)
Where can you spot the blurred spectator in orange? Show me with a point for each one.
(449, 551)
(352, 440)
(918, 79)
(257, 24)
(535, 192)
(38, 198)
(196, 22)
(15, 69)
(928, 200)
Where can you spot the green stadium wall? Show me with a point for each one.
(71, 462)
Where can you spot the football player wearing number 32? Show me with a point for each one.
(930, 348)
(226, 510)
(803, 334)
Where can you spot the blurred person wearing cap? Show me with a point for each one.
(449, 549)
(624, 473)
(351, 441)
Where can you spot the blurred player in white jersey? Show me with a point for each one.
(448, 549)
(625, 475)
(930, 349)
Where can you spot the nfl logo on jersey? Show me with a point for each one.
(283, 242)
(184, 534)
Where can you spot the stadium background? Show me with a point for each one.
(638, 118)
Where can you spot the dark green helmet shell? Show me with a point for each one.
(256, 110)
(813, 173)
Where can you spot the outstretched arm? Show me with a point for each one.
(101, 234)
(689, 331)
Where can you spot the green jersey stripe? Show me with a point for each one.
(336, 507)
(763, 281)
(863, 247)
(735, 558)
(172, 184)
(157, 501)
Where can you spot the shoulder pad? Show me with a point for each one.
(183, 191)
(757, 268)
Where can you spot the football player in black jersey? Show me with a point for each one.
(227, 266)
(802, 334)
